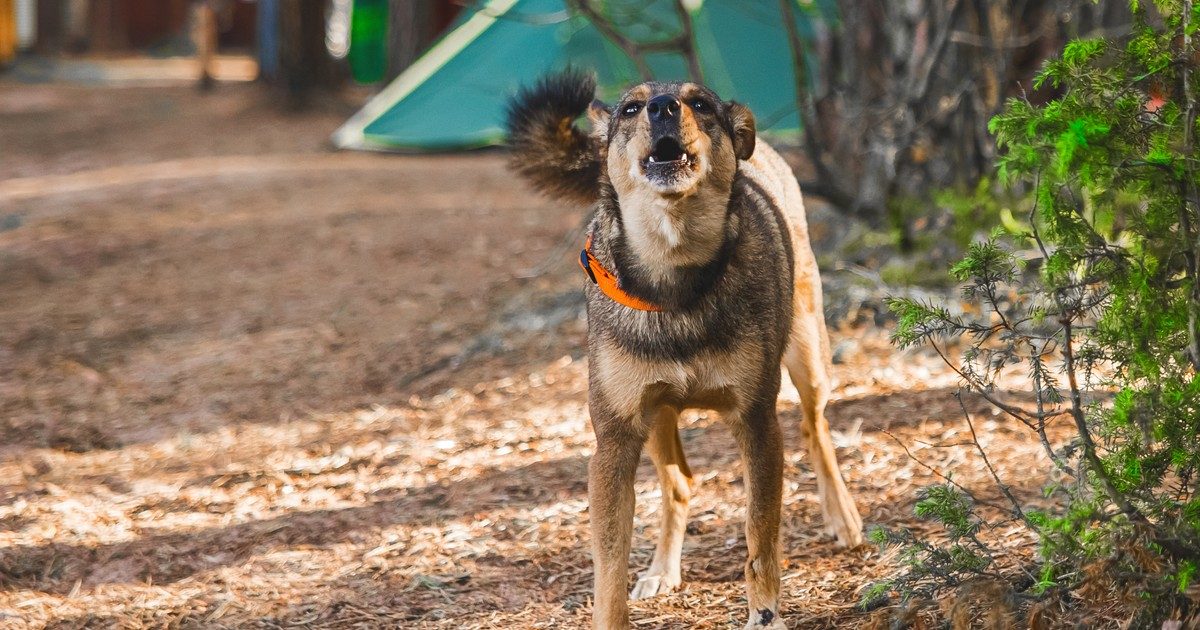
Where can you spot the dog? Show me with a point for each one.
(701, 282)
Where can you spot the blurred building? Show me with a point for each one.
(122, 26)
(274, 30)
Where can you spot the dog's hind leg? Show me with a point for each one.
(807, 362)
(761, 444)
(611, 474)
(675, 479)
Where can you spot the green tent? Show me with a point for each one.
(454, 96)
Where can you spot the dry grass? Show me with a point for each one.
(319, 398)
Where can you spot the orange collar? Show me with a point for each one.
(608, 283)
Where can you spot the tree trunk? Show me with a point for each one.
(304, 63)
(407, 34)
(905, 90)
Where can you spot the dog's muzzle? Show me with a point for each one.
(668, 160)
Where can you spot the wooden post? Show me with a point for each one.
(8, 31)
(205, 35)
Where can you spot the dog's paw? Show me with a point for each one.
(848, 534)
(651, 584)
(774, 625)
(844, 535)
(765, 620)
(842, 521)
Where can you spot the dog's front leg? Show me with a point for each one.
(611, 476)
(758, 436)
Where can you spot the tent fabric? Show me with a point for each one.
(454, 96)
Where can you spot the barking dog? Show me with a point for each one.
(702, 282)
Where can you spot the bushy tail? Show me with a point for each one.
(547, 148)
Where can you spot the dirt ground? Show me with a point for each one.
(246, 382)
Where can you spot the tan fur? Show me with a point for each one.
(808, 356)
(624, 379)
(675, 478)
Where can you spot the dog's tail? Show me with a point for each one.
(548, 149)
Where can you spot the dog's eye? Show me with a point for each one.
(699, 105)
(631, 108)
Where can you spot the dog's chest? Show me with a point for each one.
(714, 380)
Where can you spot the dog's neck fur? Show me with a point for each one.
(669, 232)
(666, 233)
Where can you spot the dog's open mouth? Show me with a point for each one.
(667, 152)
(669, 164)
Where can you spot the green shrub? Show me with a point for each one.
(1104, 315)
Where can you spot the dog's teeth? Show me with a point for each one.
(652, 160)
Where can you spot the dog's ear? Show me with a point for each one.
(742, 123)
(598, 114)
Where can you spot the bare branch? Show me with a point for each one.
(1188, 183)
(1085, 435)
(606, 28)
(939, 474)
(1024, 417)
(687, 40)
(684, 43)
(986, 462)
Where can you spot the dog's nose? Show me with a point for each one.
(663, 107)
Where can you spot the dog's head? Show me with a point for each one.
(669, 139)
